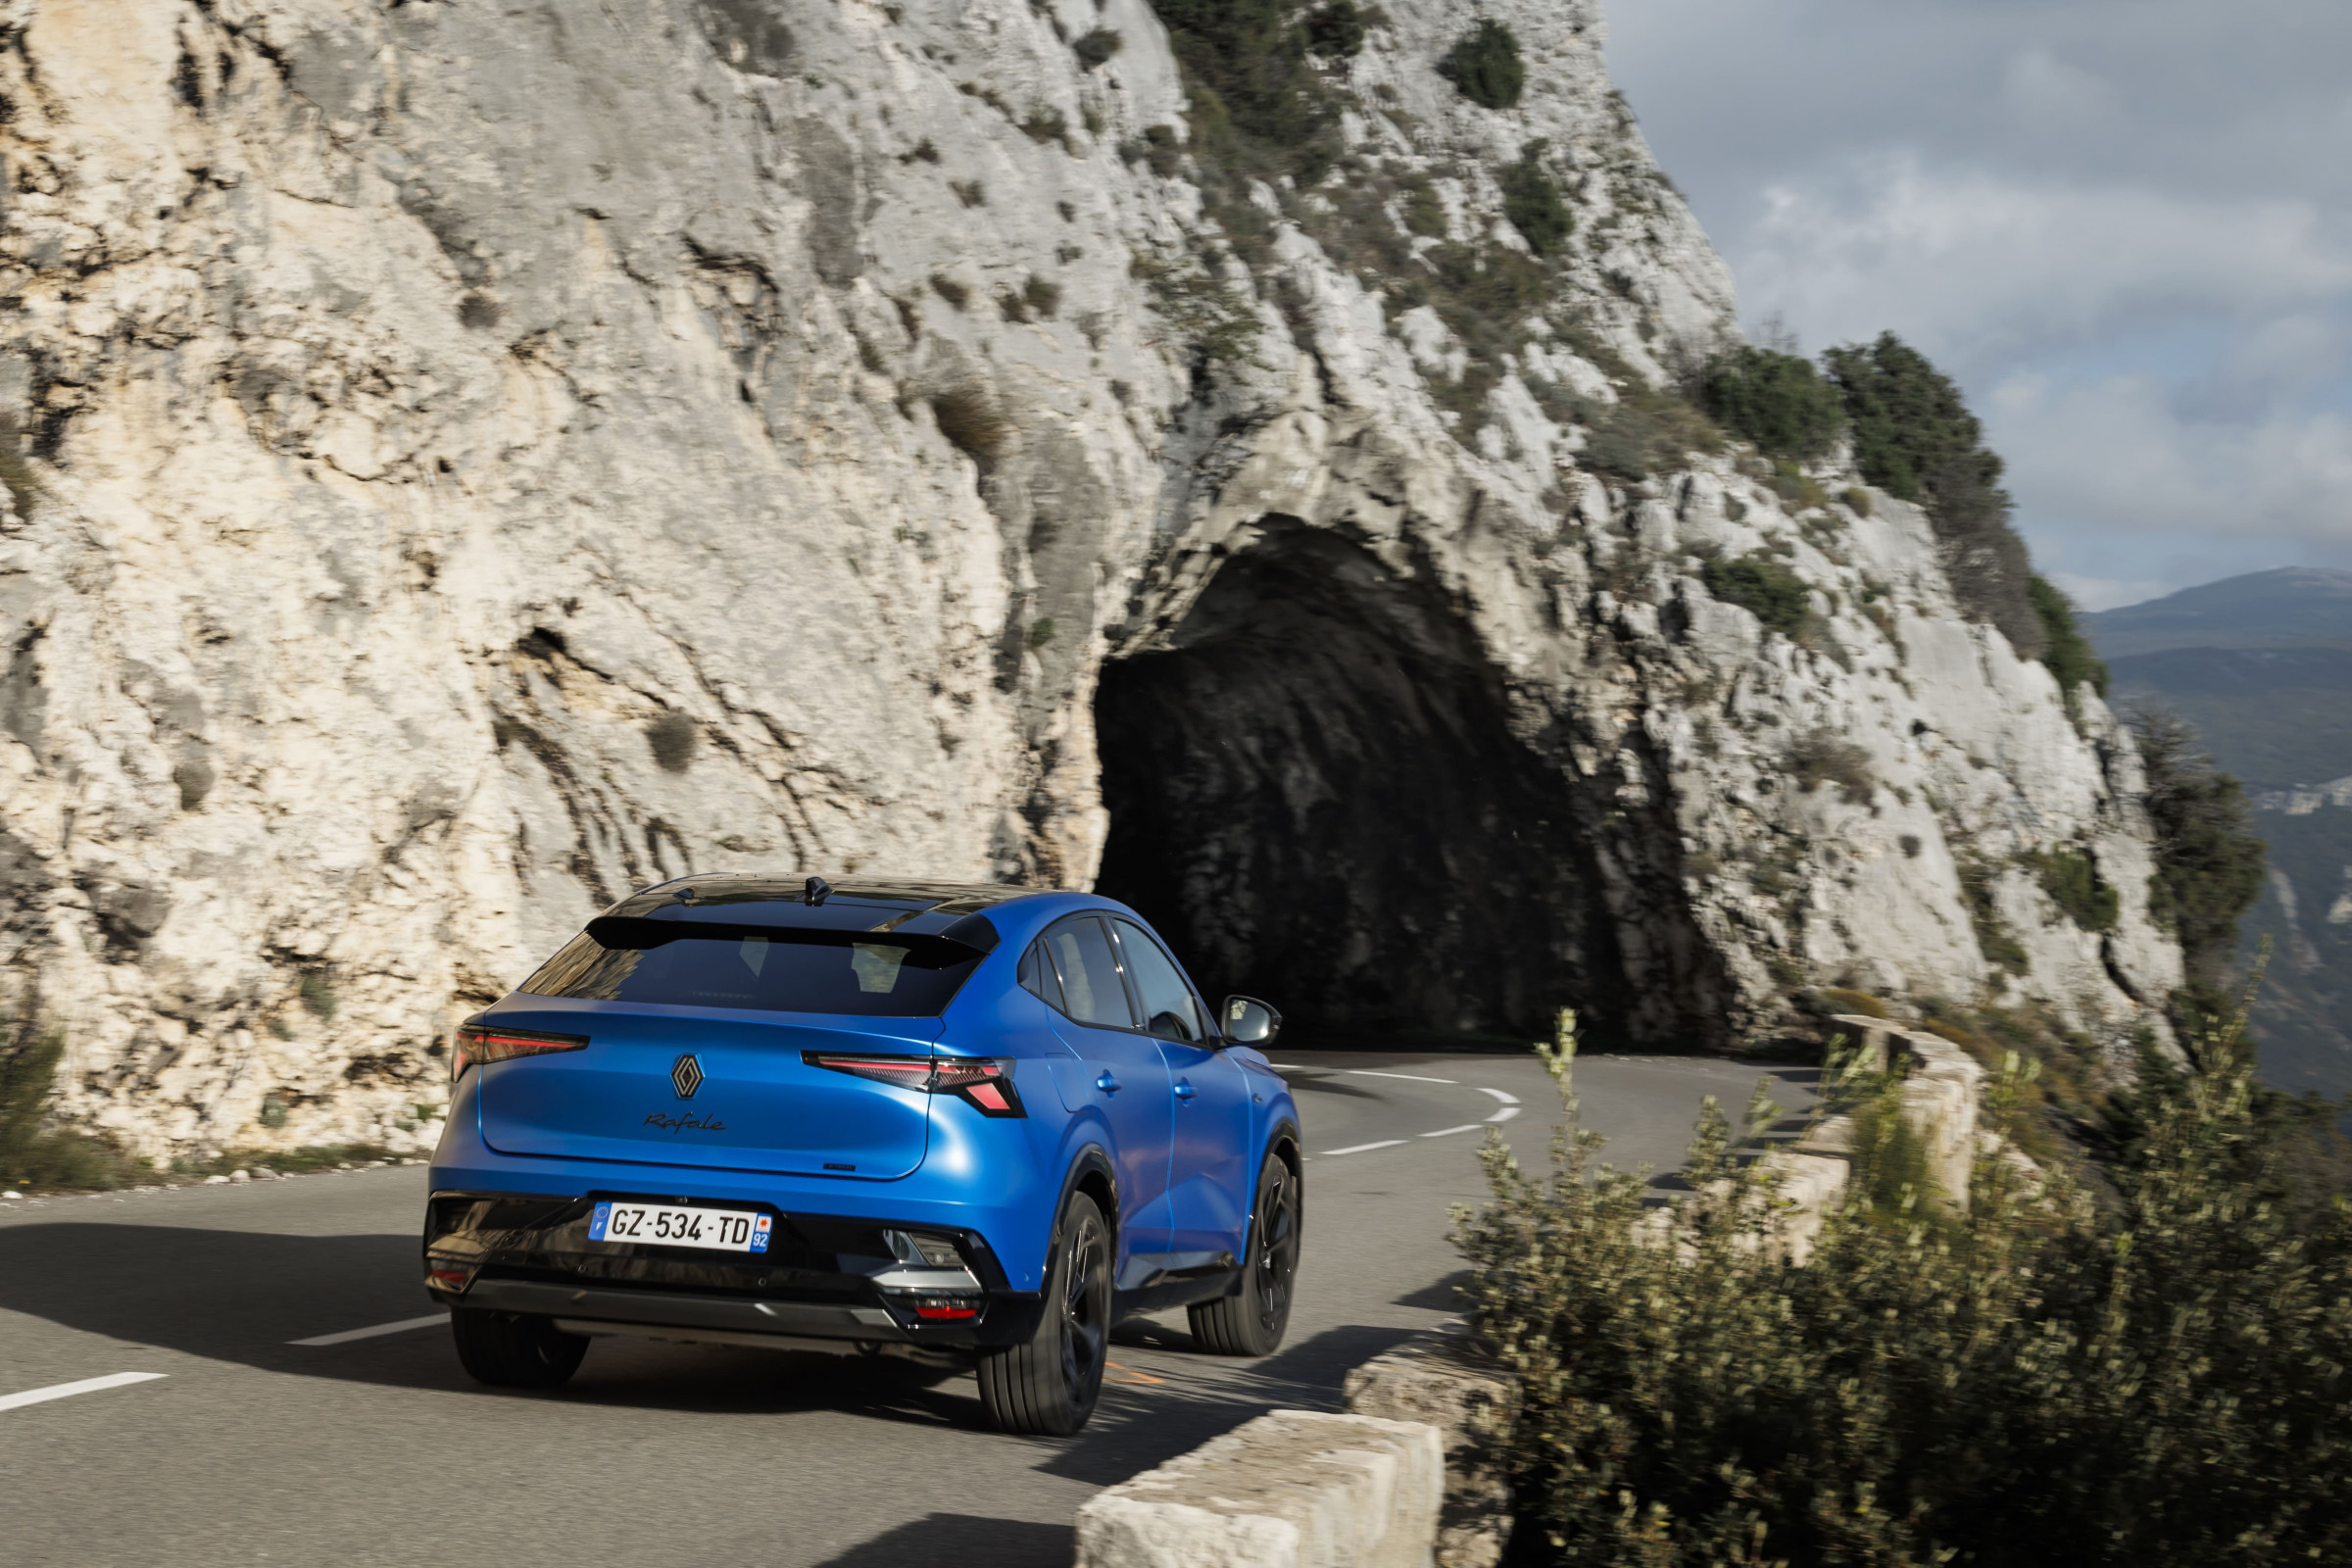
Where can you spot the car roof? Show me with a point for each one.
(914, 906)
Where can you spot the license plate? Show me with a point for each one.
(725, 1230)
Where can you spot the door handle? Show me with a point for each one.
(1184, 1089)
(1107, 1083)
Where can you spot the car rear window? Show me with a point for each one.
(781, 973)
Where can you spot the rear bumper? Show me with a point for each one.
(804, 1320)
(825, 1278)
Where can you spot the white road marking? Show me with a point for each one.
(67, 1391)
(1288, 1066)
(1365, 1148)
(1447, 1132)
(401, 1327)
(1408, 1077)
(1509, 1099)
(1504, 1114)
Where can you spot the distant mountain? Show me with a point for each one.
(2293, 607)
(2261, 665)
(2275, 716)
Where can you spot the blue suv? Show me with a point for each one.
(966, 1125)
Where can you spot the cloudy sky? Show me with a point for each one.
(2125, 227)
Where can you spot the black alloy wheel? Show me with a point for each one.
(516, 1349)
(1047, 1387)
(1251, 1321)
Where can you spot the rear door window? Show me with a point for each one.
(1037, 975)
(1170, 1010)
(1092, 992)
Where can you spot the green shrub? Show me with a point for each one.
(24, 490)
(1256, 100)
(1915, 439)
(1778, 401)
(2042, 1380)
(1095, 47)
(671, 737)
(318, 994)
(1995, 940)
(1044, 123)
(1531, 201)
(1424, 209)
(2066, 652)
(28, 1157)
(1335, 30)
(1764, 588)
(2208, 861)
(2070, 877)
(1483, 66)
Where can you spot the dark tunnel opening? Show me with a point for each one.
(1317, 796)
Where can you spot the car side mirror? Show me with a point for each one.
(1250, 1021)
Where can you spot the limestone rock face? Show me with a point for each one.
(493, 458)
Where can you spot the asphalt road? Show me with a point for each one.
(240, 1445)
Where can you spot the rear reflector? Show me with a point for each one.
(947, 1308)
(478, 1044)
(981, 1081)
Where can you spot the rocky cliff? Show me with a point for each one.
(477, 460)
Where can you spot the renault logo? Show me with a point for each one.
(686, 1076)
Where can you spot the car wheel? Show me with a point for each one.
(516, 1349)
(1047, 1385)
(1252, 1320)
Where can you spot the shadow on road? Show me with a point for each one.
(239, 1297)
(965, 1539)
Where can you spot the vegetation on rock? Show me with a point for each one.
(1764, 588)
(1915, 438)
(2208, 860)
(1484, 67)
(1255, 97)
(29, 1156)
(2164, 1376)
(2070, 877)
(1335, 30)
(1531, 201)
(2066, 651)
(1775, 400)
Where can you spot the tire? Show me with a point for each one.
(1048, 1385)
(1252, 1320)
(516, 1349)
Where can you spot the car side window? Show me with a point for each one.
(1037, 975)
(1168, 1002)
(1090, 975)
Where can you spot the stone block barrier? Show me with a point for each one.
(1293, 1489)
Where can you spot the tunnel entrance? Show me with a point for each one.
(1316, 795)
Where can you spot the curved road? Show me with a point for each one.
(227, 1439)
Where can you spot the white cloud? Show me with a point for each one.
(2117, 453)
(2124, 226)
(1976, 265)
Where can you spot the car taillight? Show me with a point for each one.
(982, 1082)
(477, 1043)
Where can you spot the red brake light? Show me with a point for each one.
(480, 1044)
(981, 1081)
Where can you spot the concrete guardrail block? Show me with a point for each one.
(1445, 1380)
(1293, 1489)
